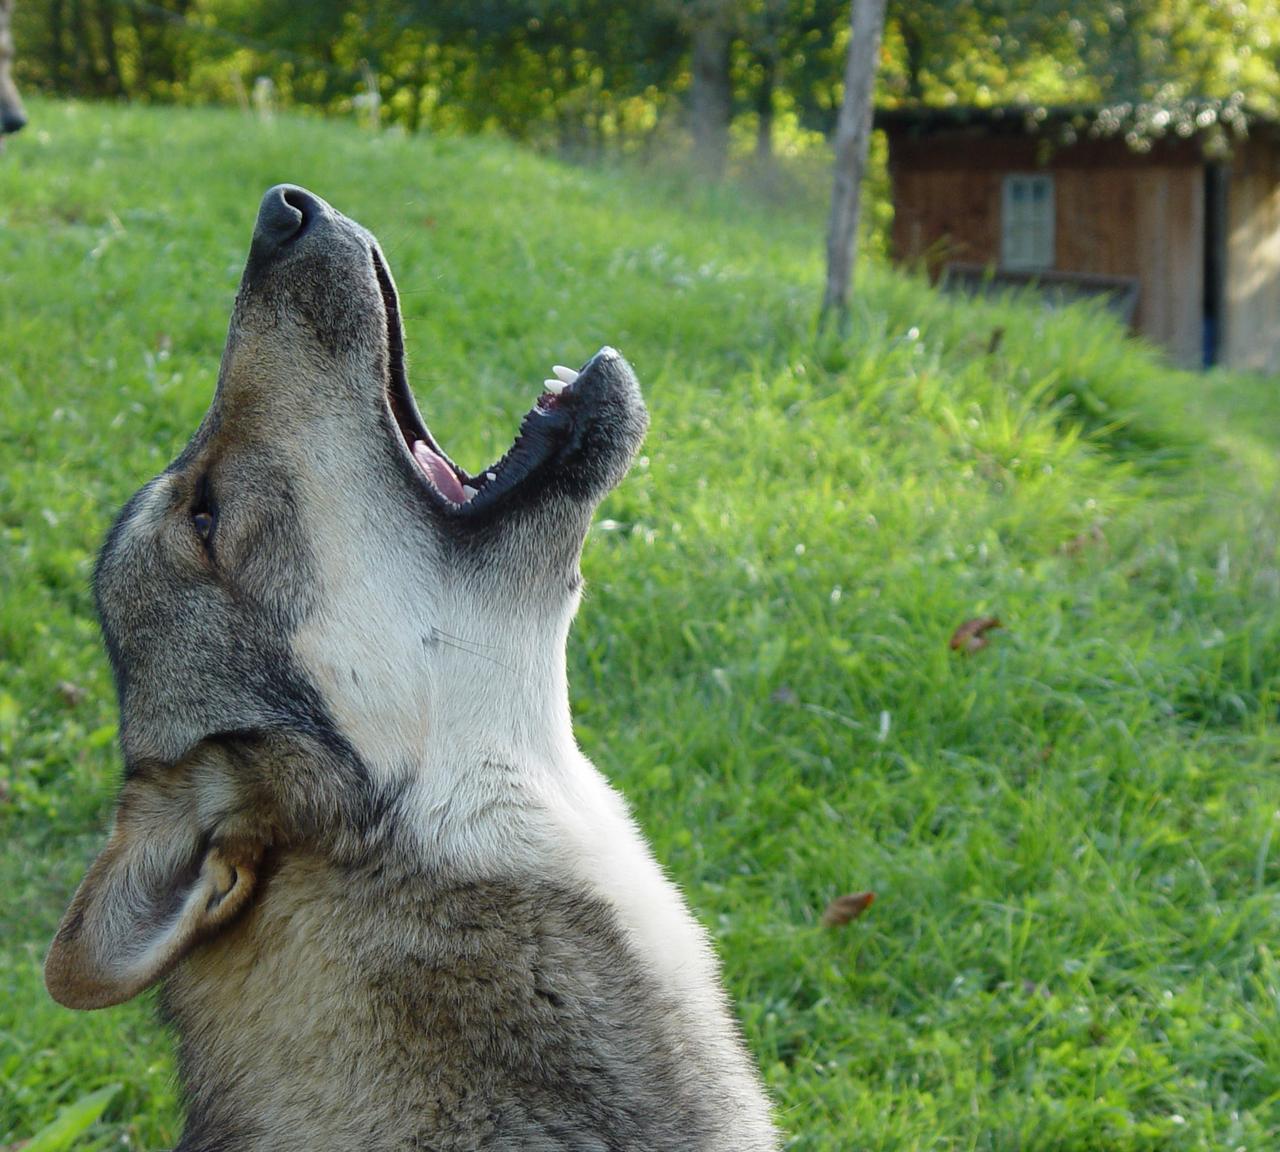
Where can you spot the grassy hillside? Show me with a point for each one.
(1070, 832)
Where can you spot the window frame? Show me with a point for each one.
(1026, 224)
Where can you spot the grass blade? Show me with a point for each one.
(72, 1122)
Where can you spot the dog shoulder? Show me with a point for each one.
(520, 1013)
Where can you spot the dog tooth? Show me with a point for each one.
(554, 386)
(490, 475)
(469, 491)
(568, 375)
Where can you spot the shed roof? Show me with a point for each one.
(1216, 125)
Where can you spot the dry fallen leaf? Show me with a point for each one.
(843, 909)
(971, 636)
(70, 692)
(1093, 536)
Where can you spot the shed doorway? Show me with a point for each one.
(1216, 182)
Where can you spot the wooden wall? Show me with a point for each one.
(1117, 214)
(1253, 260)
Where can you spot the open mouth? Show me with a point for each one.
(543, 431)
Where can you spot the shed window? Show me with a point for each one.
(1026, 223)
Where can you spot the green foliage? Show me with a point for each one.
(593, 77)
(1051, 52)
(1071, 833)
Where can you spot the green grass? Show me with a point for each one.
(1070, 833)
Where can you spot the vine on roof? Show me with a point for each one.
(1219, 123)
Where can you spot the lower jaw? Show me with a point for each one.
(459, 489)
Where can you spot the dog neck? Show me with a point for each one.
(466, 716)
(498, 695)
(497, 758)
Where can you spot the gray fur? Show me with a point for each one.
(390, 904)
(494, 1015)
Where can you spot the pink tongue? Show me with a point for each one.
(440, 474)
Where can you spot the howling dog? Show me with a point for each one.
(391, 904)
(12, 117)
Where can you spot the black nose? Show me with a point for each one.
(286, 213)
(12, 122)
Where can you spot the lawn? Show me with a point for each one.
(1070, 833)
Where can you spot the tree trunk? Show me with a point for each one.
(711, 95)
(914, 44)
(57, 44)
(113, 80)
(419, 89)
(144, 30)
(82, 51)
(764, 107)
(853, 133)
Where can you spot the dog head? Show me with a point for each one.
(12, 116)
(313, 594)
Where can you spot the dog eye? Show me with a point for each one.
(204, 515)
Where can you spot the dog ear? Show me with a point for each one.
(161, 885)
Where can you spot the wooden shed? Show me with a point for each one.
(1172, 212)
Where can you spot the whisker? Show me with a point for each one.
(472, 652)
(464, 639)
